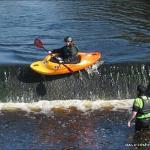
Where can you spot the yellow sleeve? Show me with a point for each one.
(138, 103)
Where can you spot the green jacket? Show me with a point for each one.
(142, 107)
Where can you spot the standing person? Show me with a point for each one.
(68, 53)
(140, 110)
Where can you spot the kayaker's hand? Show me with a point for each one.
(49, 52)
(61, 61)
(129, 123)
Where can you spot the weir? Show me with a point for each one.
(113, 81)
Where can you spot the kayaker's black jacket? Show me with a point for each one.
(67, 53)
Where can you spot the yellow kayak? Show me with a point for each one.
(47, 67)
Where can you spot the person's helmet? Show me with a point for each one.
(141, 90)
(68, 38)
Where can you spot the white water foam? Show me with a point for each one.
(94, 68)
(46, 107)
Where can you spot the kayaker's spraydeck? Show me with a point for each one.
(47, 67)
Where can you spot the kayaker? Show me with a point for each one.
(141, 110)
(68, 53)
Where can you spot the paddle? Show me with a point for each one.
(39, 44)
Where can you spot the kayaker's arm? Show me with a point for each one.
(54, 51)
(133, 115)
(57, 50)
(77, 49)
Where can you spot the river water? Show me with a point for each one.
(119, 29)
(86, 111)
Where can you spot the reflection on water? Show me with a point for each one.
(69, 130)
(75, 130)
